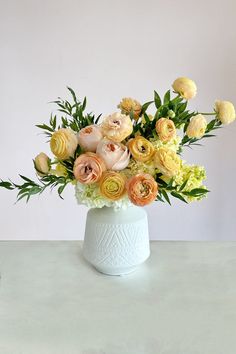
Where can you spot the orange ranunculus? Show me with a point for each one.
(141, 149)
(142, 189)
(88, 168)
(112, 185)
(165, 129)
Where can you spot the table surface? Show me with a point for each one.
(181, 301)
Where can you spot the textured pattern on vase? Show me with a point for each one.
(117, 244)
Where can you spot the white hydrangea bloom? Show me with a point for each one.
(90, 196)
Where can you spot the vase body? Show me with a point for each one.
(116, 242)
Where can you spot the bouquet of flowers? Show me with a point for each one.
(128, 157)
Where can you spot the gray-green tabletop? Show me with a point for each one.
(181, 301)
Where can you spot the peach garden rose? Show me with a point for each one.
(115, 155)
(88, 168)
(89, 137)
(117, 127)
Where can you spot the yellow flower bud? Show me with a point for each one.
(42, 164)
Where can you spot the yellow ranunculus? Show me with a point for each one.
(165, 129)
(112, 185)
(185, 87)
(225, 111)
(128, 105)
(197, 127)
(42, 164)
(141, 149)
(63, 143)
(167, 161)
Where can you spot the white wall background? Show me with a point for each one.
(106, 50)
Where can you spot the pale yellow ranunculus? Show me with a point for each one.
(225, 111)
(185, 87)
(197, 127)
(141, 149)
(42, 164)
(63, 143)
(128, 105)
(112, 185)
(167, 161)
(165, 129)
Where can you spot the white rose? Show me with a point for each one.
(89, 137)
(115, 155)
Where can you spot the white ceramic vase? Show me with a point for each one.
(116, 242)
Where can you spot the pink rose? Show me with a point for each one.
(115, 155)
(89, 137)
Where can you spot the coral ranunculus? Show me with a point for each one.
(185, 87)
(141, 149)
(142, 189)
(89, 137)
(197, 127)
(63, 143)
(128, 105)
(117, 127)
(115, 155)
(88, 168)
(165, 129)
(167, 161)
(225, 111)
(112, 185)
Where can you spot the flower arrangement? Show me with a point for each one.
(128, 157)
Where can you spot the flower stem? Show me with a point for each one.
(208, 114)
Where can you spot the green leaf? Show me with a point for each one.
(183, 185)
(182, 107)
(145, 106)
(165, 195)
(167, 97)
(72, 93)
(84, 103)
(7, 185)
(157, 100)
(178, 196)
